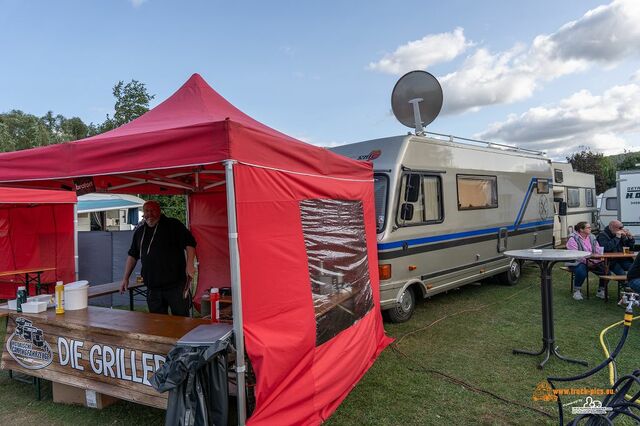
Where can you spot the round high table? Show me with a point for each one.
(545, 259)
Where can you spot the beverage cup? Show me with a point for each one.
(625, 250)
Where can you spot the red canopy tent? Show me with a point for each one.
(36, 230)
(289, 225)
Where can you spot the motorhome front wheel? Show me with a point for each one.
(405, 308)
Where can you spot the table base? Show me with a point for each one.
(548, 350)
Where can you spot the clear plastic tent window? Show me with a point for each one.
(335, 241)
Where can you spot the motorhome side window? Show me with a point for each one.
(611, 203)
(542, 186)
(420, 200)
(477, 192)
(557, 175)
(381, 188)
(573, 197)
(588, 196)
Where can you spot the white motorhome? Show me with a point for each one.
(607, 207)
(574, 200)
(446, 211)
(628, 189)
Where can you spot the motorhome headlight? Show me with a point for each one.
(384, 271)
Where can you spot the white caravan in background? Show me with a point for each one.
(574, 196)
(629, 200)
(607, 207)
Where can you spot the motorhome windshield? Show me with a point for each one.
(381, 185)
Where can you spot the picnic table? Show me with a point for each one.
(606, 259)
(31, 275)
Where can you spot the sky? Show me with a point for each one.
(556, 76)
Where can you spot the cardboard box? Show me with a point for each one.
(65, 394)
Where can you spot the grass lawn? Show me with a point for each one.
(456, 346)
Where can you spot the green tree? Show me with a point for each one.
(171, 205)
(631, 161)
(132, 100)
(593, 163)
(21, 131)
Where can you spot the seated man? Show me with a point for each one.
(613, 238)
(633, 276)
(583, 240)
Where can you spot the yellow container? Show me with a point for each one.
(59, 298)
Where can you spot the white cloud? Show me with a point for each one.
(605, 35)
(420, 54)
(137, 3)
(599, 122)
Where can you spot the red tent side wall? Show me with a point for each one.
(208, 224)
(38, 236)
(297, 381)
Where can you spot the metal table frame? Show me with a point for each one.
(546, 292)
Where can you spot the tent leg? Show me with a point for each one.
(75, 239)
(188, 225)
(236, 293)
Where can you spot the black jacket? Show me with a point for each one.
(634, 271)
(161, 251)
(613, 244)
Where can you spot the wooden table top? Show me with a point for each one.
(118, 322)
(629, 255)
(25, 271)
(109, 288)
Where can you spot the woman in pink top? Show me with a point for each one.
(583, 240)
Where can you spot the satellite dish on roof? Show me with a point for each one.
(416, 99)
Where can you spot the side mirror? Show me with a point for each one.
(562, 209)
(406, 211)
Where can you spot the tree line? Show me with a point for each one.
(603, 168)
(20, 130)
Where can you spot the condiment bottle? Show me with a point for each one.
(21, 297)
(59, 297)
(215, 305)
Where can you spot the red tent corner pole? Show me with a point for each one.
(236, 293)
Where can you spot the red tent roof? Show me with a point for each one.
(195, 127)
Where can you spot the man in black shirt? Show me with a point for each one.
(160, 244)
(613, 239)
(633, 276)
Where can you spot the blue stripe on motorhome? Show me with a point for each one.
(437, 238)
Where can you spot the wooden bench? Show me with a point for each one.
(569, 270)
(620, 279)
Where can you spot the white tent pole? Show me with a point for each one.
(236, 293)
(75, 239)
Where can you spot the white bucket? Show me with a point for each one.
(76, 295)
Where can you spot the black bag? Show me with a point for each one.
(196, 378)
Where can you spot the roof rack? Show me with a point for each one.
(486, 144)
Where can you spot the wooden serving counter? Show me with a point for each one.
(111, 351)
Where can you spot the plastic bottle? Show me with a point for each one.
(21, 297)
(59, 297)
(215, 305)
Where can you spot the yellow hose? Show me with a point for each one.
(606, 351)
